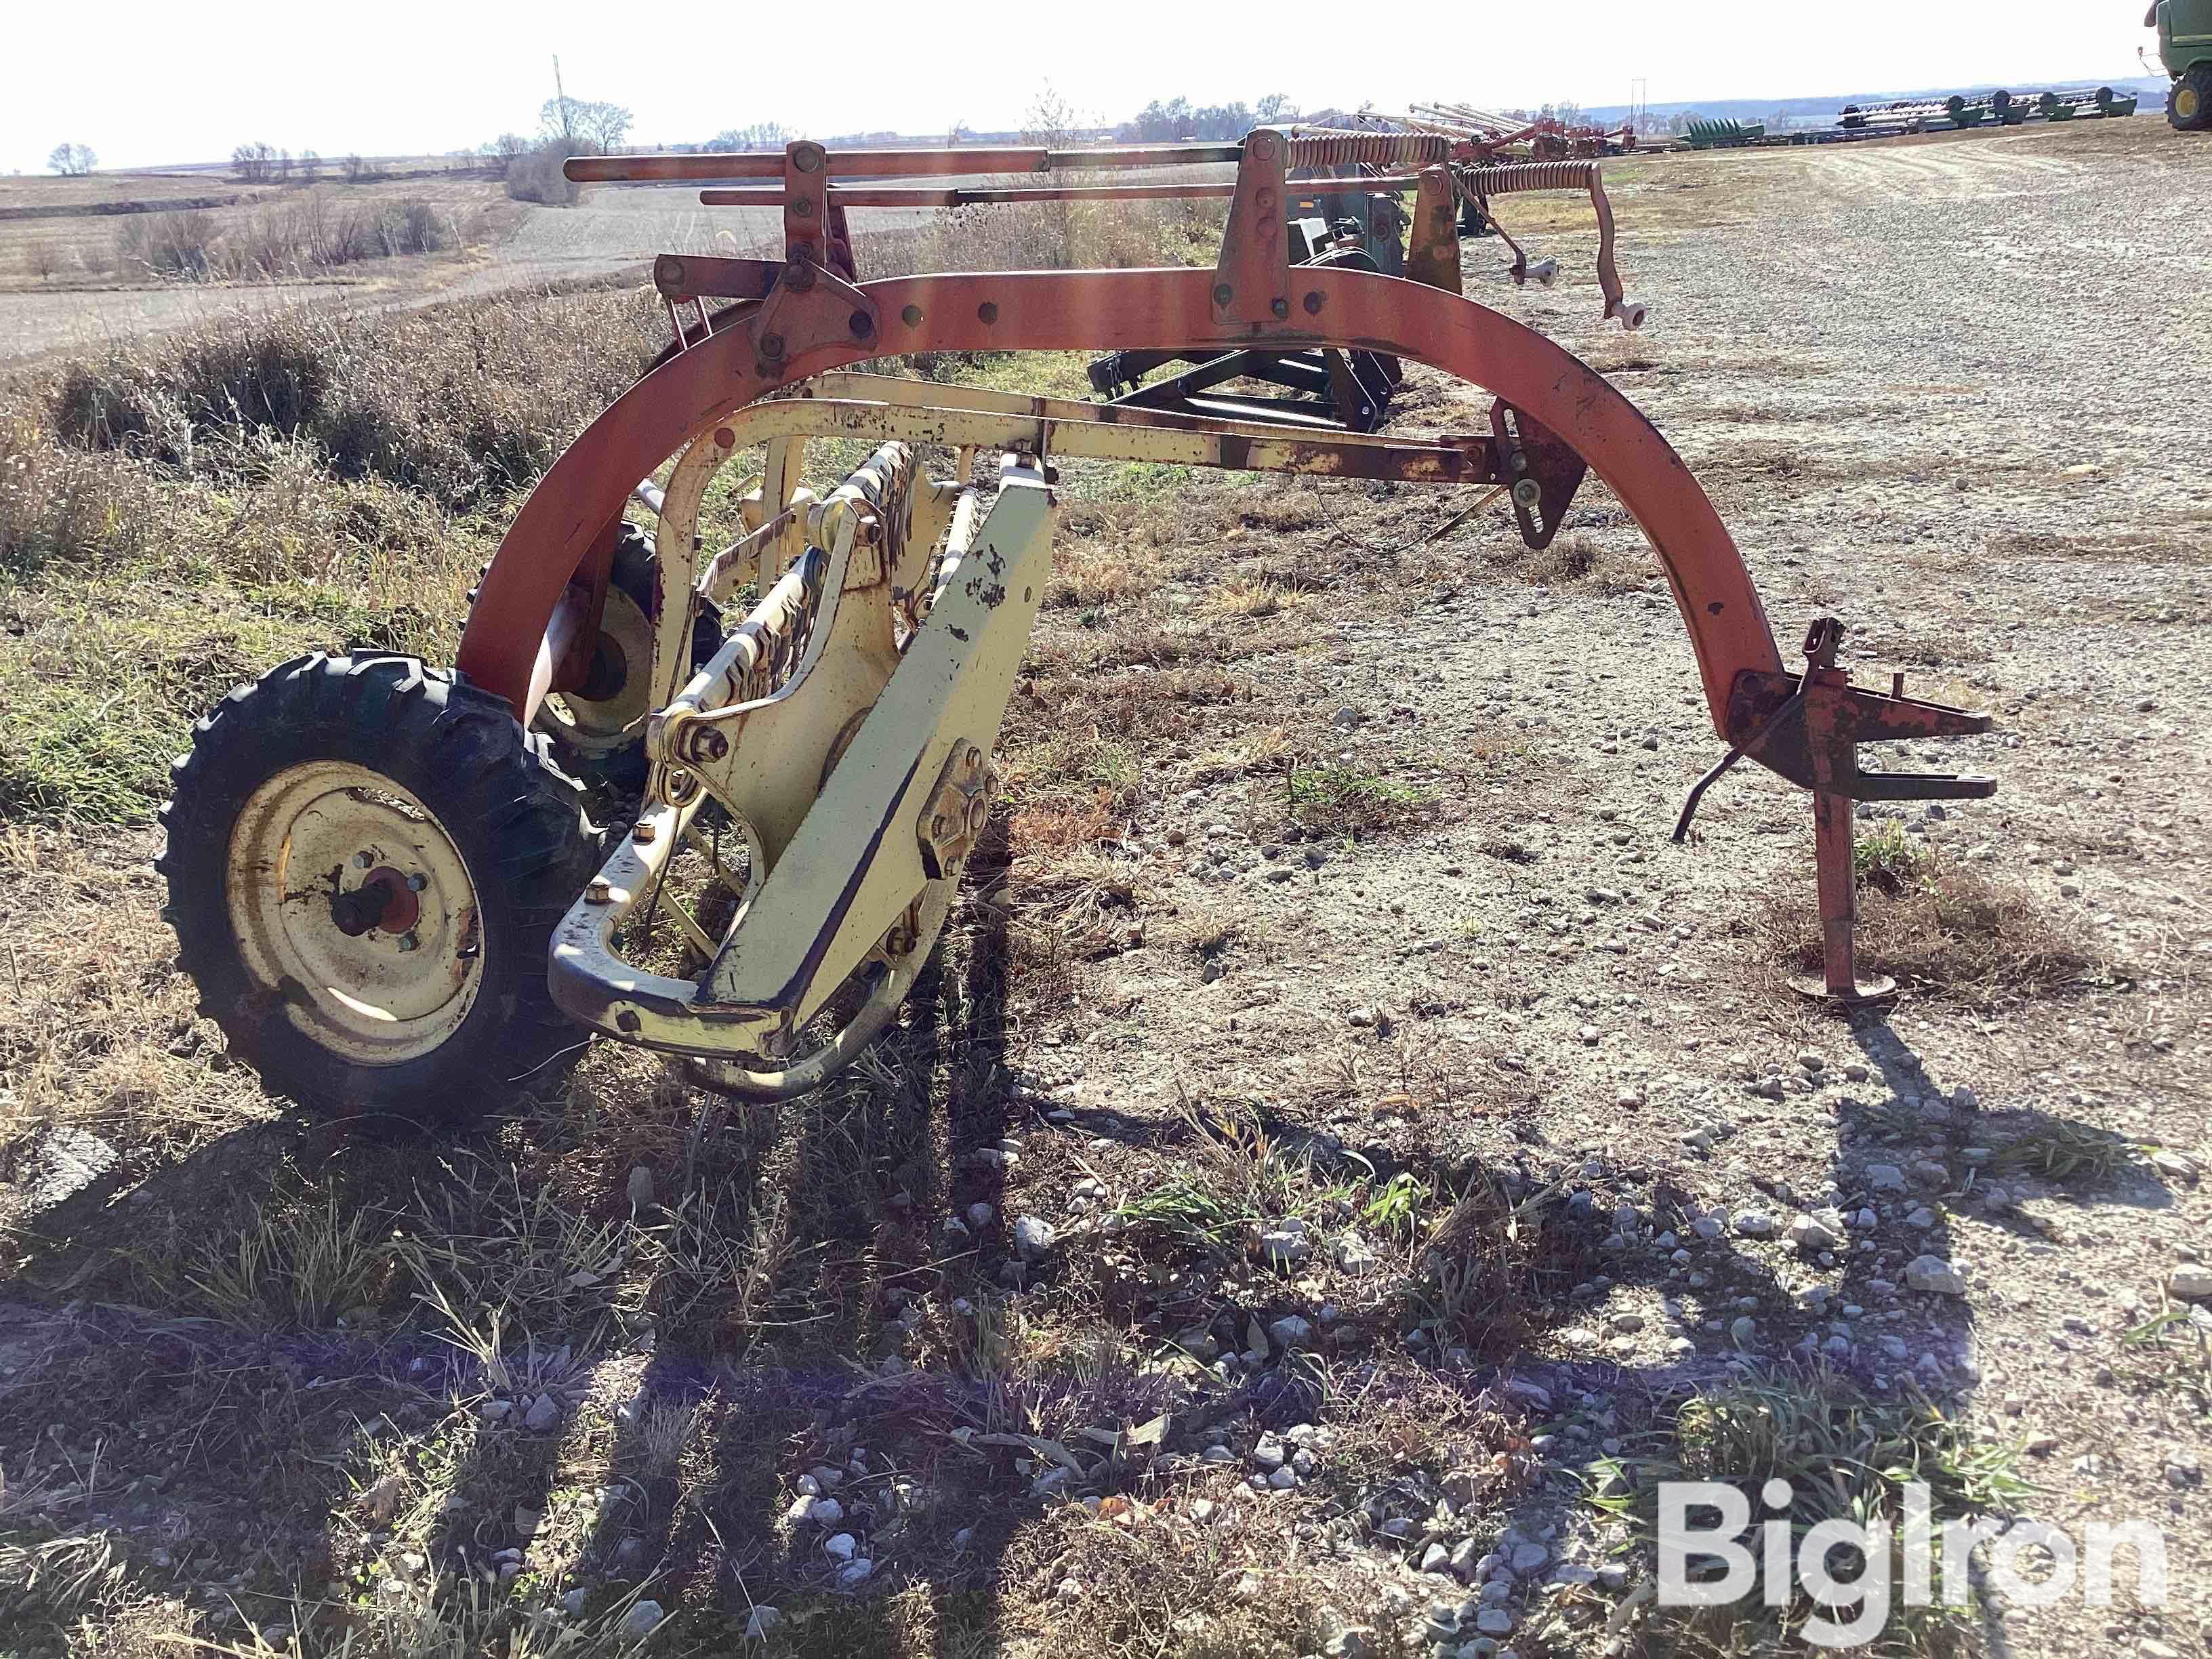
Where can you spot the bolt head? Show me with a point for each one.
(1222, 293)
(1281, 307)
(1529, 493)
(409, 942)
(364, 860)
(771, 345)
(599, 892)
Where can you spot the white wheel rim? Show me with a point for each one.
(393, 992)
(597, 728)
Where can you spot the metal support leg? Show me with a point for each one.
(1835, 760)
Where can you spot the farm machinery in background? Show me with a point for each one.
(1996, 107)
(1357, 221)
(391, 886)
(2185, 48)
(1899, 117)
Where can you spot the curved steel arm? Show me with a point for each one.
(830, 325)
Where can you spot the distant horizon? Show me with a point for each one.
(424, 79)
(1595, 111)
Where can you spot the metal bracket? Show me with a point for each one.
(1252, 278)
(1542, 472)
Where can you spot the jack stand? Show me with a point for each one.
(1826, 695)
(1808, 729)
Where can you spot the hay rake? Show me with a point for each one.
(386, 885)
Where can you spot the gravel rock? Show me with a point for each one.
(1755, 1224)
(642, 1618)
(1819, 1230)
(1291, 1332)
(1285, 1244)
(1033, 1237)
(840, 1546)
(1932, 1273)
(762, 1621)
(544, 1416)
(1884, 1177)
(1494, 1621)
(2191, 1279)
(826, 1511)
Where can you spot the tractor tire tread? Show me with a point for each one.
(516, 819)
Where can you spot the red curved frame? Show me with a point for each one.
(1061, 310)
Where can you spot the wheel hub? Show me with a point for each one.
(351, 904)
(597, 716)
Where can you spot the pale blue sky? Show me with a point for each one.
(146, 83)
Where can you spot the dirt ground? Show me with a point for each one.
(1949, 391)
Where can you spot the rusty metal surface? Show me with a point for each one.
(1168, 309)
(895, 163)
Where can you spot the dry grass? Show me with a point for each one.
(1844, 1457)
(1942, 929)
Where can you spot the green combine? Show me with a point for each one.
(2185, 42)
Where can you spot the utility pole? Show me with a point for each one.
(561, 99)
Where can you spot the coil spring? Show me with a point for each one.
(1513, 179)
(1381, 149)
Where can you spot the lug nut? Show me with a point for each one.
(599, 892)
(644, 832)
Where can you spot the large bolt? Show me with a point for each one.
(1281, 307)
(771, 345)
(599, 892)
(1528, 494)
(1222, 293)
(645, 832)
(418, 882)
(409, 942)
(364, 860)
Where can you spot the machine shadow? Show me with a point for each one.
(752, 1472)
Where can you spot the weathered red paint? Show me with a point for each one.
(1067, 310)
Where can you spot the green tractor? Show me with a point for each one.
(2184, 41)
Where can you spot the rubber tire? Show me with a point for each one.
(635, 571)
(2197, 81)
(516, 820)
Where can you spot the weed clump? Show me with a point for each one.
(1844, 1457)
(1938, 927)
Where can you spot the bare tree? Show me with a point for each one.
(42, 259)
(254, 164)
(591, 123)
(762, 135)
(311, 166)
(502, 150)
(1274, 107)
(72, 160)
(355, 169)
